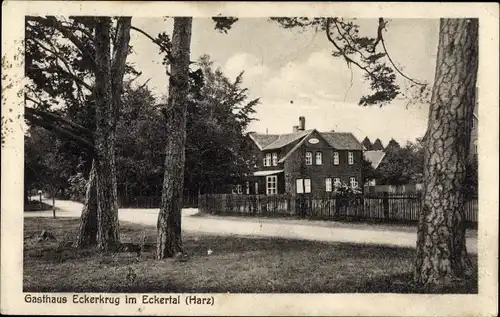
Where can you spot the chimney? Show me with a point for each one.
(302, 123)
(295, 128)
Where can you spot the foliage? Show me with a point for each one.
(393, 144)
(471, 186)
(377, 145)
(47, 165)
(368, 171)
(140, 142)
(77, 187)
(345, 190)
(367, 144)
(215, 129)
(402, 165)
(224, 24)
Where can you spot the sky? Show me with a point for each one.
(294, 74)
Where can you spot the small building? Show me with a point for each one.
(375, 158)
(304, 161)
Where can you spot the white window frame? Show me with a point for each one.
(275, 159)
(328, 184)
(352, 181)
(309, 158)
(350, 158)
(336, 158)
(267, 159)
(271, 185)
(299, 186)
(319, 158)
(239, 190)
(307, 185)
(303, 185)
(256, 185)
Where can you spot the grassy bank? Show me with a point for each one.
(236, 265)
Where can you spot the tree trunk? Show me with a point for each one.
(169, 219)
(87, 233)
(54, 203)
(441, 250)
(119, 60)
(107, 205)
(88, 223)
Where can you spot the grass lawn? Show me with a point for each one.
(237, 265)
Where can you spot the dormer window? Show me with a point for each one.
(350, 158)
(275, 159)
(309, 158)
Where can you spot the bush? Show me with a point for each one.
(78, 187)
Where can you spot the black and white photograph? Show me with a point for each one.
(169, 161)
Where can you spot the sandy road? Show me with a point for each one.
(256, 228)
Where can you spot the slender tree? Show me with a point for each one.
(441, 244)
(169, 242)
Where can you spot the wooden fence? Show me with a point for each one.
(386, 207)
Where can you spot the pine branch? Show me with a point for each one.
(51, 21)
(66, 71)
(78, 129)
(66, 133)
(396, 68)
(341, 51)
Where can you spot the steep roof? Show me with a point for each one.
(374, 157)
(285, 139)
(263, 140)
(342, 140)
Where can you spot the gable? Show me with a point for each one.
(374, 157)
(262, 140)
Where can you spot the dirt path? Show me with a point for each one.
(266, 227)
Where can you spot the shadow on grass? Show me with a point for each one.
(217, 264)
(36, 206)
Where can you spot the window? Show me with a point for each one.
(238, 189)
(309, 158)
(272, 185)
(300, 185)
(267, 159)
(353, 182)
(307, 185)
(472, 124)
(335, 158)
(275, 159)
(328, 184)
(336, 181)
(256, 188)
(303, 185)
(247, 187)
(350, 158)
(319, 158)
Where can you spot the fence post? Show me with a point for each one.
(385, 203)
